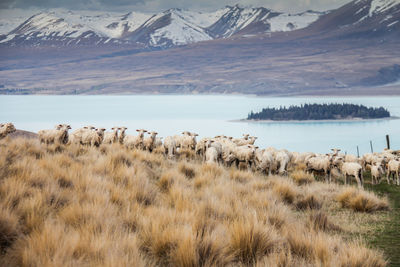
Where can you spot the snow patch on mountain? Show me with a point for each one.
(179, 31)
(288, 22)
(202, 19)
(379, 6)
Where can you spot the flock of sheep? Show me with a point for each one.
(229, 151)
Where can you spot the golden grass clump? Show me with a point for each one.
(301, 177)
(110, 206)
(251, 240)
(319, 221)
(362, 201)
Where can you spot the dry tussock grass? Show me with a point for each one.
(360, 200)
(81, 206)
(301, 177)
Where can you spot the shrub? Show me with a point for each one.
(360, 200)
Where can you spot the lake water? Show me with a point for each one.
(207, 115)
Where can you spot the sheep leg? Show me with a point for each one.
(398, 180)
(358, 182)
(330, 176)
(387, 177)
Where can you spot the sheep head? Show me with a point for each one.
(152, 134)
(10, 128)
(141, 132)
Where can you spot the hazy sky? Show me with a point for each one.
(159, 5)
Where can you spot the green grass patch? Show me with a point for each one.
(387, 237)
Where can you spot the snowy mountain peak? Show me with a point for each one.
(171, 27)
(379, 6)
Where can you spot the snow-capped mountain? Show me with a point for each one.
(179, 27)
(361, 18)
(169, 28)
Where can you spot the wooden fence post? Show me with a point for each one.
(358, 153)
(372, 149)
(387, 141)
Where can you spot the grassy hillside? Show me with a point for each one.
(107, 206)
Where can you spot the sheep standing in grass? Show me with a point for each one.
(111, 137)
(393, 169)
(186, 141)
(264, 161)
(211, 155)
(170, 146)
(148, 143)
(57, 136)
(201, 147)
(282, 159)
(121, 134)
(93, 138)
(76, 136)
(218, 148)
(244, 154)
(6, 129)
(245, 141)
(132, 142)
(320, 163)
(376, 173)
(350, 169)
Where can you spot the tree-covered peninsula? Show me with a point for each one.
(319, 112)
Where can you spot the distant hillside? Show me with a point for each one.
(319, 112)
(169, 28)
(351, 50)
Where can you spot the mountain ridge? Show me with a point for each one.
(164, 29)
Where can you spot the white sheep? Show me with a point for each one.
(228, 147)
(218, 148)
(211, 155)
(131, 141)
(76, 136)
(6, 129)
(264, 161)
(186, 141)
(393, 168)
(148, 142)
(244, 154)
(301, 158)
(93, 138)
(111, 137)
(350, 169)
(376, 173)
(335, 151)
(121, 134)
(350, 158)
(282, 159)
(170, 146)
(57, 136)
(320, 163)
(200, 146)
(245, 141)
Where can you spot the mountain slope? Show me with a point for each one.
(361, 19)
(169, 28)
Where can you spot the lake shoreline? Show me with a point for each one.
(307, 121)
